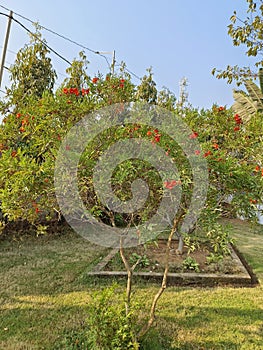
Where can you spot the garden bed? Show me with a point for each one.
(195, 268)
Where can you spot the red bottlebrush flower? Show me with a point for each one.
(18, 115)
(95, 80)
(122, 81)
(257, 168)
(25, 122)
(221, 108)
(170, 184)
(84, 91)
(236, 128)
(215, 146)
(149, 133)
(22, 129)
(65, 91)
(121, 85)
(71, 90)
(76, 91)
(157, 137)
(108, 77)
(14, 153)
(46, 180)
(32, 117)
(156, 131)
(253, 201)
(194, 135)
(237, 119)
(197, 152)
(37, 210)
(208, 153)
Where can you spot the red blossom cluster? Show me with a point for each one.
(194, 135)
(238, 119)
(13, 154)
(171, 184)
(122, 83)
(208, 153)
(156, 135)
(75, 91)
(24, 121)
(37, 210)
(258, 169)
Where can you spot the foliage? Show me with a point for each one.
(248, 104)
(108, 325)
(247, 32)
(32, 73)
(190, 263)
(35, 122)
(220, 238)
(140, 260)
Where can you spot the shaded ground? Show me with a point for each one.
(45, 295)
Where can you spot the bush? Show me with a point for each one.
(108, 326)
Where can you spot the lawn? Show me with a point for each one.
(45, 295)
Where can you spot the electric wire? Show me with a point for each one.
(35, 36)
(70, 40)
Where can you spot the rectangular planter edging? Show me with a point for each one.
(245, 279)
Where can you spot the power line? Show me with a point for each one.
(13, 52)
(34, 35)
(61, 36)
(71, 41)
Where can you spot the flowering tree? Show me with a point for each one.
(34, 127)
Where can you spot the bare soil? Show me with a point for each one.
(154, 258)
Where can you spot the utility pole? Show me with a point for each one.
(113, 62)
(2, 66)
(113, 53)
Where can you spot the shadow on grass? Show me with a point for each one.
(46, 325)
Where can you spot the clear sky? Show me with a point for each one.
(178, 38)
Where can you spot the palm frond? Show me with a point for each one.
(254, 92)
(244, 105)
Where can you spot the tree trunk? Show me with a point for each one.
(129, 277)
(157, 296)
(180, 248)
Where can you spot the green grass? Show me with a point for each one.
(249, 240)
(45, 295)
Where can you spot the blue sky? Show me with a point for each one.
(176, 38)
